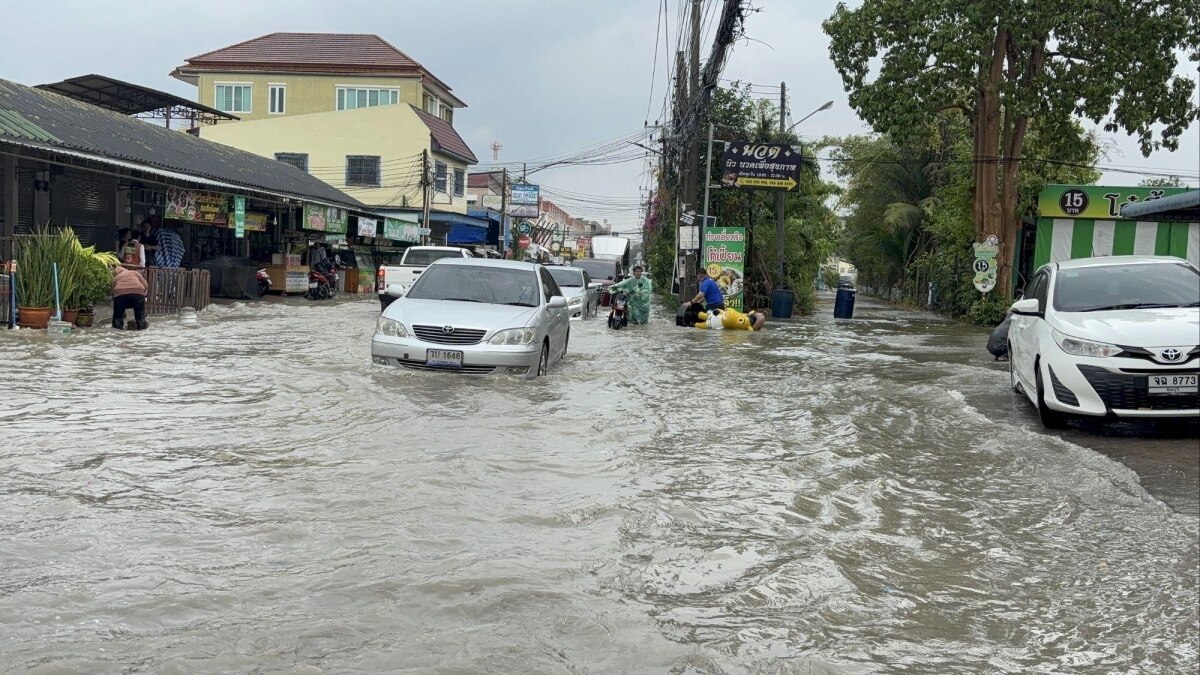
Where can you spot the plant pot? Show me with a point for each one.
(69, 315)
(34, 317)
(85, 319)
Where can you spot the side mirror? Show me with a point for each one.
(395, 290)
(558, 302)
(1027, 307)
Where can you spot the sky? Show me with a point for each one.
(543, 77)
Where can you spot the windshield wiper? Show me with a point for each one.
(460, 300)
(1132, 305)
(519, 304)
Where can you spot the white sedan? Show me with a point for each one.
(1109, 336)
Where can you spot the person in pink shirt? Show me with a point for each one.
(129, 292)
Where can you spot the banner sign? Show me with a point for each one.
(525, 195)
(763, 166)
(256, 222)
(367, 227)
(985, 265)
(689, 237)
(399, 230)
(324, 218)
(725, 261)
(524, 211)
(239, 217)
(208, 208)
(1095, 201)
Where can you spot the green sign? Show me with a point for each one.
(400, 230)
(725, 261)
(524, 227)
(985, 265)
(239, 216)
(1095, 201)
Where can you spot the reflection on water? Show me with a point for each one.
(254, 496)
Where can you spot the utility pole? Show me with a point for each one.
(426, 184)
(781, 196)
(708, 175)
(505, 232)
(692, 161)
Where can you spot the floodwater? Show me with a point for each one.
(254, 496)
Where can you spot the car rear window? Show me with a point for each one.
(567, 277)
(1133, 286)
(427, 256)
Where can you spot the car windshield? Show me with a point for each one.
(428, 256)
(599, 269)
(567, 277)
(476, 283)
(1133, 286)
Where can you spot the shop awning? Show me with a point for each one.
(448, 217)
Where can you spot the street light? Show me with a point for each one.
(827, 106)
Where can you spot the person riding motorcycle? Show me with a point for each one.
(638, 287)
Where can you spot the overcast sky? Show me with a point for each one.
(545, 77)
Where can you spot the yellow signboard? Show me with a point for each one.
(778, 183)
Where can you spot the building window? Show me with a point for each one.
(362, 170)
(351, 98)
(439, 177)
(432, 105)
(296, 159)
(277, 94)
(460, 182)
(448, 114)
(233, 98)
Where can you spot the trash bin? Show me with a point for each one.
(781, 303)
(843, 306)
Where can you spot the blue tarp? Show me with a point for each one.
(495, 228)
(463, 233)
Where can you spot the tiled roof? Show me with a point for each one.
(42, 119)
(483, 180)
(356, 51)
(445, 138)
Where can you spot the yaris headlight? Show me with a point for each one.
(390, 327)
(1081, 347)
(514, 336)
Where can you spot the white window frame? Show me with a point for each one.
(393, 95)
(271, 88)
(249, 100)
(441, 174)
(460, 189)
(437, 104)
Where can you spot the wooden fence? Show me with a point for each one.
(171, 288)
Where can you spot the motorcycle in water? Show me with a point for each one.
(618, 316)
(264, 282)
(322, 281)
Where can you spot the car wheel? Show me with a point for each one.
(544, 360)
(1051, 419)
(566, 341)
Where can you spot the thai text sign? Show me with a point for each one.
(324, 218)
(367, 227)
(209, 208)
(525, 194)
(399, 230)
(1095, 201)
(985, 265)
(763, 166)
(239, 217)
(725, 261)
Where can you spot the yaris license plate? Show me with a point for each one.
(1173, 384)
(441, 358)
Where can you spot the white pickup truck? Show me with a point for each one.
(415, 260)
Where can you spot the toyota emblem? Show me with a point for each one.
(1171, 354)
(447, 329)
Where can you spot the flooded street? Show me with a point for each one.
(253, 495)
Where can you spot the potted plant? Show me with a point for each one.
(95, 286)
(35, 278)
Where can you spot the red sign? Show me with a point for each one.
(524, 241)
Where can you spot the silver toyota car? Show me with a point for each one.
(475, 316)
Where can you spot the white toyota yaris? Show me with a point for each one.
(1109, 336)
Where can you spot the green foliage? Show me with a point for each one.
(988, 310)
(1163, 181)
(84, 275)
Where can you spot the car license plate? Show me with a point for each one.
(1174, 384)
(440, 358)
(312, 284)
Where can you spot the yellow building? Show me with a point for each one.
(352, 110)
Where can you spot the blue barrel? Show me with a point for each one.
(781, 303)
(843, 306)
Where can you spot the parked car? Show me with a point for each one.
(475, 316)
(583, 299)
(414, 262)
(605, 271)
(1115, 335)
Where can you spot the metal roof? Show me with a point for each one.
(1184, 206)
(126, 98)
(66, 124)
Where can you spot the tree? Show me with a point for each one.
(1163, 181)
(1004, 64)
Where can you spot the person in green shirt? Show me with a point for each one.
(638, 288)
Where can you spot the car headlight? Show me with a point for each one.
(577, 300)
(514, 336)
(1079, 347)
(391, 328)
